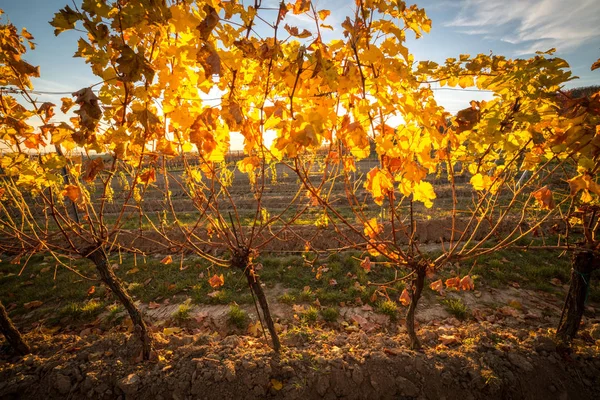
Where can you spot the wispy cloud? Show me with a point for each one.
(532, 24)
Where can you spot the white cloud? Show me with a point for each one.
(532, 24)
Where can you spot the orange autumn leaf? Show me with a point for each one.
(544, 198)
(380, 184)
(216, 281)
(366, 264)
(34, 141)
(405, 298)
(147, 177)
(453, 283)
(72, 192)
(349, 165)
(91, 290)
(92, 169)
(466, 283)
(301, 6)
(438, 286)
(167, 260)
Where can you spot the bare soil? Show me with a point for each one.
(504, 351)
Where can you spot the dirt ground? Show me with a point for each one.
(504, 351)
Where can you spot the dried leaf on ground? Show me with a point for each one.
(33, 304)
(171, 331)
(437, 286)
(216, 281)
(453, 283)
(466, 283)
(448, 340)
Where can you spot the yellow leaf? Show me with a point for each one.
(171, 331)
(372, 228)
(405, 298)
(277, 385)
(465, 81)
(380, 184)
(255, 329)
(67, 103)
(324, 14)
(481, 182)
(167, 260)
(423, 192)
(582, 182)
(586, 197)
(132, 271)
(596, 65)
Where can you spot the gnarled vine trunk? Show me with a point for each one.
(242, 262)
(12, 334)
(100, 260)
(584, 263)
(417, 288)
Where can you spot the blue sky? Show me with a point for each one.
(514, 28)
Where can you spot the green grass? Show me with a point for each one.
(389, 308)
(531, 269)
(310, 315)
(182, 314)
(148, 280)
(287, 298)
(457, 308)
(330, 314)
(81, 311)
(237, 316)
(115, 313)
